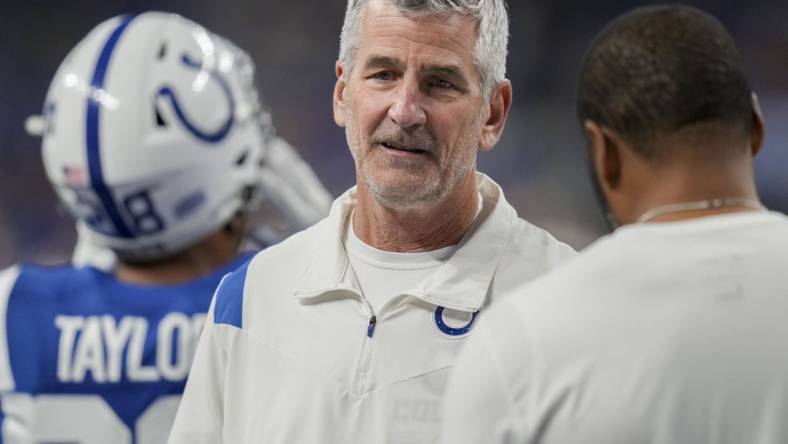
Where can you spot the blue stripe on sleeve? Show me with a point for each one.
(228, 308)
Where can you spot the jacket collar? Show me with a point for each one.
(461, 283)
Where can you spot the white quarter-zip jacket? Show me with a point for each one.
(293, 353)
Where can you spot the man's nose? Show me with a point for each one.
(407, 110)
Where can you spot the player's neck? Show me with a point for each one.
(697, 183)
(199, 260)
(417, 229)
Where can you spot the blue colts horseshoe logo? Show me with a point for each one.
(453, 332)
(221, 133)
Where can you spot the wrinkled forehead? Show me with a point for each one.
(444, 38)
(383, 11)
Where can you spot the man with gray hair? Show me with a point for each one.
(346, 332)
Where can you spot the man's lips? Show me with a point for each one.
(397, 147)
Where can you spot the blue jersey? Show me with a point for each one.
(87, 359)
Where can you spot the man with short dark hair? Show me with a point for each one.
(347, 331)
(674, 328)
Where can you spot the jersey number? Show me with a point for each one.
(87, 419)
(140, 212)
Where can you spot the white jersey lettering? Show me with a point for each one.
(96, 345)
(68, 326)
(174, 326)
(116, 336)
(134, 368)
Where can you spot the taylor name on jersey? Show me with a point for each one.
(112, 350)
(85, 358)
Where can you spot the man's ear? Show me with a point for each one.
(756, 138)
(339, 95)
(499, 105)
(605, 154)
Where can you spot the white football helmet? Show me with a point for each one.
(153, 137)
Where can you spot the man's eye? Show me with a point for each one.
(385, 76)
(441, 83)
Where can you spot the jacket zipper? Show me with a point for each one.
(362, 371)
(363, 364)
(371, 327)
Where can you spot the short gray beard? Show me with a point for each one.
(410, 198)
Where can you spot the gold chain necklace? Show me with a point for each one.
(709, 204)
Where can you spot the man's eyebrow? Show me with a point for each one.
(383, 62)
(451, 72)
(447, 70)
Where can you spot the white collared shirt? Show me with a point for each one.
(291, 353)
(383, 275)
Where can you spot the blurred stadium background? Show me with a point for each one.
(540, 162)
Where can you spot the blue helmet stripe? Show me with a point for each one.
(92, 139)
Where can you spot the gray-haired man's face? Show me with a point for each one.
(413, 105)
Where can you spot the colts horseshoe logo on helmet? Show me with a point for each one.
(183, 117)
